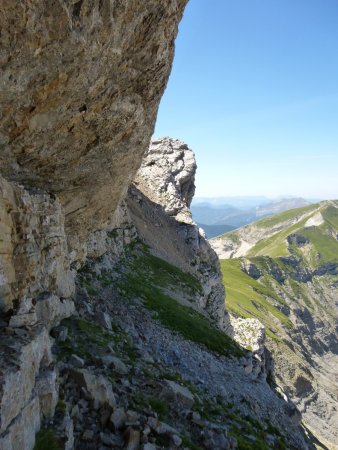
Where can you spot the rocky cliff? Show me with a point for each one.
(112, 306)
(80, 87)
(81, 84)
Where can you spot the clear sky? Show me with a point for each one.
(254, 92)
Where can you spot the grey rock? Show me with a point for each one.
(115, 363)
(104, 320)
(86, 104)
(149, 446)
(88, 435)
(161, 427)
(76, 361)
(176, 393)
(98, 387)
(176, 440)
(118, 418)
(60, 333)
(110, 439)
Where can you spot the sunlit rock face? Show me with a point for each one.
(80, 87)
(158, 202)
(81, 82)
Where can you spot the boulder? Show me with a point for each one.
(97, 386)
(174, 392)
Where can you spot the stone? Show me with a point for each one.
(104, 320)
(60, 333)
(75, 411)
(79, 73)
(158, 205)
(68, 428)
(34, 247)
(249, 333)
(132, 439)
(118, 418)
(115, 363)
(174, 392)
(88, 435)
(251, 269)
(18, 381)
(176, 440)
(98, 387)
(47, 390)
(110, 439)
(21, 432)
(149, 446)
(167, 175)
(161, 427)
(79, 79)
(76, 361)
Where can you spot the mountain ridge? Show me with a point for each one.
(207, 215)
(283, 270)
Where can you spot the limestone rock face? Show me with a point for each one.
(33, 247)
(158, 207)
(80, 87)
(80, 84)
(167, 176)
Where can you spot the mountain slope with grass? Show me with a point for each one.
(283, 270)
(145, 363)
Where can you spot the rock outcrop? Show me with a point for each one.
(158, 203)
(167, 177)
(80, 87)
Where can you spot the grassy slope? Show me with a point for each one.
(247, 297)
(323, 246)
(271, 221)
(148, 277)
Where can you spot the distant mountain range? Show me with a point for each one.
(216, 217)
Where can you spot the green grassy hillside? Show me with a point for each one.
(308, 233)
(295, 266)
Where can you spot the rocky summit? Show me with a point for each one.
(115, 331)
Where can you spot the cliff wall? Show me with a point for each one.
(80, 87)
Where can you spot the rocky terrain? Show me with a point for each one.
(141, 361)
(112, 303)
(283, 271)
(80, 87)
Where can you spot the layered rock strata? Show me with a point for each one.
(159, 202)
(81, 84)
(80, 87)
(37, 284)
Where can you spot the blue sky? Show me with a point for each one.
(254, 92)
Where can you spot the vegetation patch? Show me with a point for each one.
(46, 439)
(247, 297)
(148, 275)
(88, 340)
(271, 221)
(159, 406)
